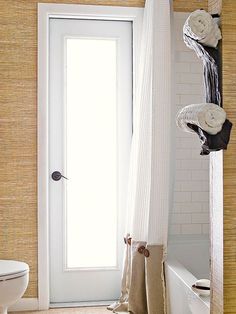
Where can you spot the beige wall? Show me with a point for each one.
(18, 125)
(189, 5)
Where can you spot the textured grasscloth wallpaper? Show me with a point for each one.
(228, 269)
(18, 125)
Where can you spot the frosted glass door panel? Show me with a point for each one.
(90, 133)
(91, 102)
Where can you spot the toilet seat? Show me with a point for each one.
(12, 269)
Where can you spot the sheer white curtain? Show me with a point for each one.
(149, 196)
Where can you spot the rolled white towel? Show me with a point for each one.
(209, 117)
(202, 27)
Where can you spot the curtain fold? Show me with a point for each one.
(150, 183)
(155, 279)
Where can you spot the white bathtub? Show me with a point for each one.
(188, 260)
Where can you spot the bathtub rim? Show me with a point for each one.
(186, 277)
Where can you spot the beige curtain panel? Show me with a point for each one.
(142, 290)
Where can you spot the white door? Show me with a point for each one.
(90, 129)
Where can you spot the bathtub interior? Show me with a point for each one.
(193, 252)
(188, 261)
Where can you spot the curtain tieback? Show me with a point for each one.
(143, 250)
(146, 253)
(129, 240)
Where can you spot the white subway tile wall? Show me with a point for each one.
(190, 213)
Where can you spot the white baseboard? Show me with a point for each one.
(25, 304)
(80, 304)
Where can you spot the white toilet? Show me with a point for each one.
(14, 278)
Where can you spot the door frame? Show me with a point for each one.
(45, 12)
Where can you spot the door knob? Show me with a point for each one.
(56, 176)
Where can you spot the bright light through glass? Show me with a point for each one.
(91, 210)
